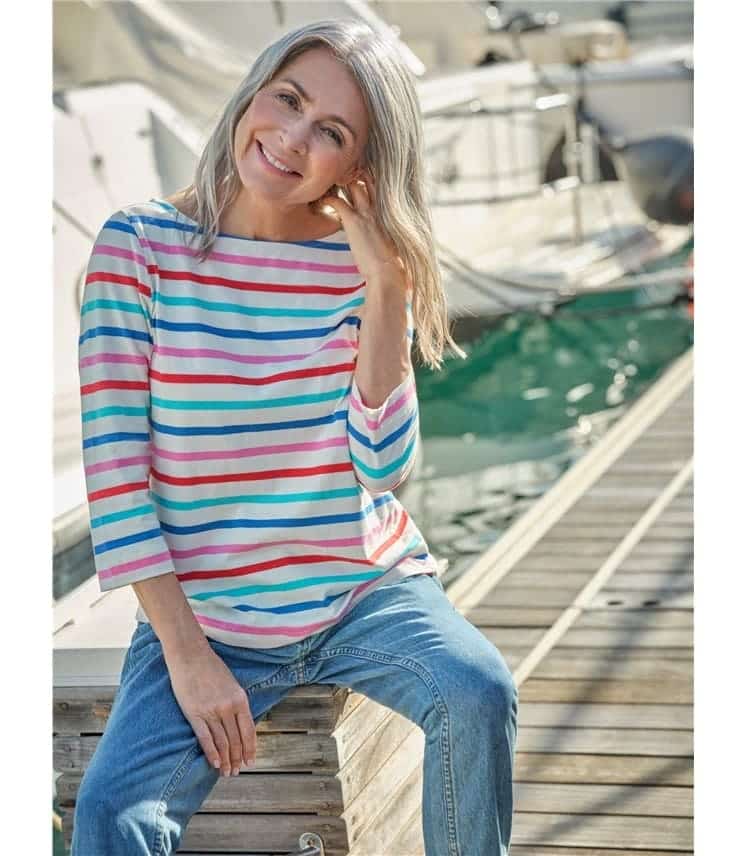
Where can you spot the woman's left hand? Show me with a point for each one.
(375, 254)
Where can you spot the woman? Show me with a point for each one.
(249, 404)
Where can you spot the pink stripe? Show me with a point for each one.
(135, 565)
(115, 464)
(250, 453)
(303, 630)
(118, 252)
(113, 358)
(254, 261)
(240, 358)
(397, 404)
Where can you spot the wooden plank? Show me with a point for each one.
(652, 616)
(364, 721)
(648, 581)
(545, 850)
(632, 600)
(633, 652)
(626, 637)
(393, 816)
(568, 830)
(291, 752)
(541, 579)
(391, 738)
(632, 691)
(633, 562)
(365, 808)
(603, 769)
(410, 841)
(512, 636)
(585, 715)
(606, 741)
(78, 710)
(559, 664)
(267, 831)
(252, 792)
(511, 616)
(651, 801)
(531, 597)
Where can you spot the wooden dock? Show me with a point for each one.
(589, 596)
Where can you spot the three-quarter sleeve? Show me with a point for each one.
(114, 352)
(383, 440)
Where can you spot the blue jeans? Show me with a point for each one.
(404, 645)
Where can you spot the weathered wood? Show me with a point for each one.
(396, 738)
(252, 793)
(559, 664)
(544, 850)
(607, 741)
(625, 617)
(364, 810)
(627, 637)
(378, 836)
(580, 714)
(603, 769)
(571, 830)
(631, 691)
(291, 752)
(511, 616)
(651, 801)
(81, 710)
(531, 597)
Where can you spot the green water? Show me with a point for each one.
(533, 396)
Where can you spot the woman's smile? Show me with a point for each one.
(274, 164)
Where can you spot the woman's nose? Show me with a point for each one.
(296, 137)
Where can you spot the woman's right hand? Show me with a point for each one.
(216, 707)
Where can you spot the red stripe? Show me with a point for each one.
(100, 385)
(290, 472)
(243, 285)
(116, 491)
(284, 561)
(119, 279)
(321, 371)
(393, 538)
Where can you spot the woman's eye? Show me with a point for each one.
(334, 135)
(287, 95)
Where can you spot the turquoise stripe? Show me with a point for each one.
(288, 586)
(258, 312)
(114, 410)
(380, 473)
(90, 305)
(121, 515)
(260, 498)
(287, 401)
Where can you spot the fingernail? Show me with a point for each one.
(235, 771)
(216, 764)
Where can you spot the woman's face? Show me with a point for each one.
(312, 118)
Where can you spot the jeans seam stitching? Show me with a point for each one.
(168, 790)
(445, 736)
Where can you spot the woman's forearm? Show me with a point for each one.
(168, 611)
(383, 360)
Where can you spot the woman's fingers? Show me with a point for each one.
(205, 739)
(248, 735)
(235, 748)
(215, 723)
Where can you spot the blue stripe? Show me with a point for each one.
(122, 332)
(388, 440)
(271, 335)
(255, 311)
(105, 546)
(117, 437)
(218, 430)
(261, 523)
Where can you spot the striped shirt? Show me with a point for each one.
(224, 436)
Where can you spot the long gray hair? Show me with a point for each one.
(394, 154)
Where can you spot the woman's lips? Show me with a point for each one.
(275, 169)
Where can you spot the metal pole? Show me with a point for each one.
(571, 158)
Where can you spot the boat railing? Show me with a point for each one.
(523, 181)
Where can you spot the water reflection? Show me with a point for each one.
(535, 394)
